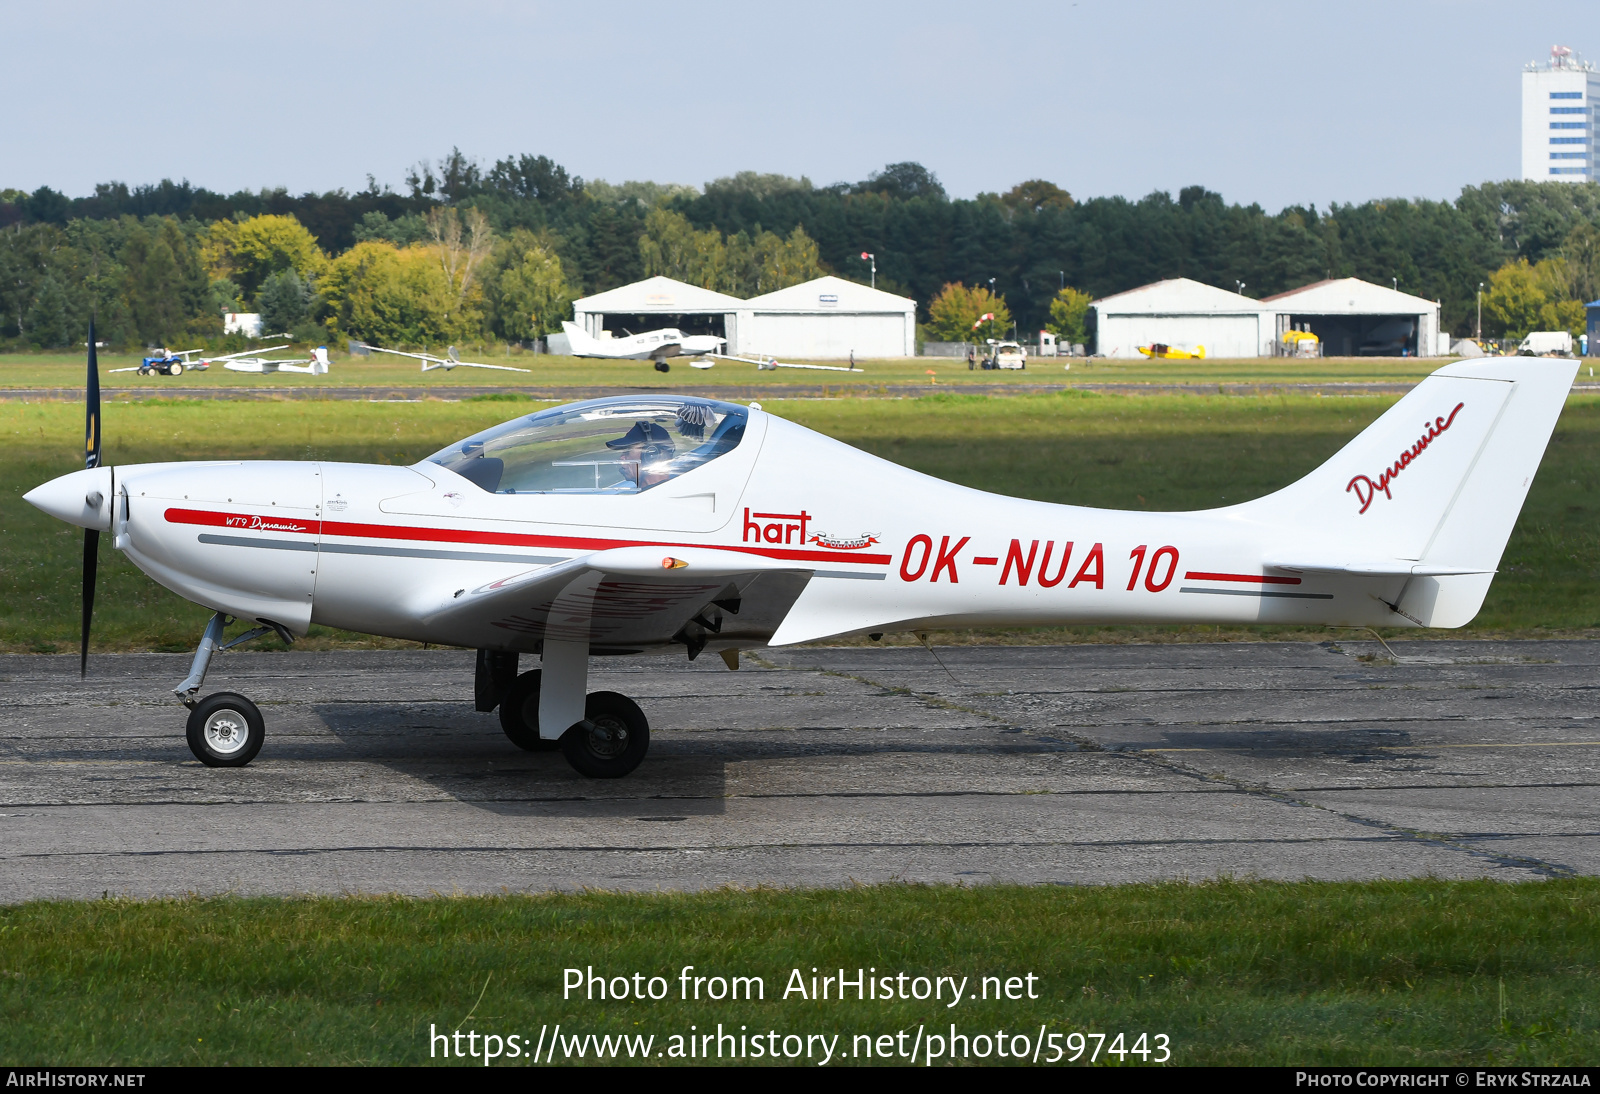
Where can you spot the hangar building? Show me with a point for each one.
(1182, 312)
(1349, 316)
(654, 303)
(1352, 318)
(828, 317)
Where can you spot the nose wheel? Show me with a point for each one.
(225, 730)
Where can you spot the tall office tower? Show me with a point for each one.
(1560, 108)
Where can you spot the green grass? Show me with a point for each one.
(1145, 452)
(1412, 972)
(67, 371)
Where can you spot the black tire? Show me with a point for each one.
(225, 730)
(613, 741)
(662, 366)
(519, 714)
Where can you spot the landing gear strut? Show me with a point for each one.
(519, 714)
(225, 729)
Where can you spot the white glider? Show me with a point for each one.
(430, 362)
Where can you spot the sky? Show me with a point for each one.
(1279, 103)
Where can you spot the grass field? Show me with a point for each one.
(1418, 972)
(1147, 452)
(67, 371)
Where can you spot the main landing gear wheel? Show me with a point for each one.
(611, 740)
(225, 730)
(662, 366)
(519, 714)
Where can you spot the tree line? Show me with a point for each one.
(468, 251)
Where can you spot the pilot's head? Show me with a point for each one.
(645, 450)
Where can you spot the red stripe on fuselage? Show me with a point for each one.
(257, 522)
(1256, 579)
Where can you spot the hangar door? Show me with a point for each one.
(621, 325)
(1221, 335)
(826, 335)
(1363, 335)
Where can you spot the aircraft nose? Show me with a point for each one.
(82, 498)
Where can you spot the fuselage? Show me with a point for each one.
(376, 549)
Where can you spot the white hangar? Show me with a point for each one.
(1182, 312)
(654, 303)
(828, 317)
(1349, 316)
(825, 318)
(1352, 318)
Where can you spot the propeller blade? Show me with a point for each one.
(91, 421)
(91, 536)
(91, 563)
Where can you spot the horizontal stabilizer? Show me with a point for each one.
(1377, 567)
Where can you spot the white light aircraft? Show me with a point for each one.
(429, 361)
(655, 345)
(658, 345)
(315, 365)
(647, 524)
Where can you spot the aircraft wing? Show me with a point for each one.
(626, 599)
(429, 361)
(474, 364)
(245, 353)
(766, 364)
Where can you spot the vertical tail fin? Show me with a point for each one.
(582, 343)
(1432, 488)
(319, 361)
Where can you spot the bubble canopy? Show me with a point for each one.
(621, 445)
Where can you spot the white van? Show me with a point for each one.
(1009, 355)
(1546, 343)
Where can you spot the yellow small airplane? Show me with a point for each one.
(1173, 353)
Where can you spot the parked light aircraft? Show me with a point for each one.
(658, 345)
(647, 524)
(429, 361)
(1172, 353)
(654, 345)
(315, 365)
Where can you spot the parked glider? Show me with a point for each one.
(429, 361)
(767, 364)
(646, 524)
(315, 365)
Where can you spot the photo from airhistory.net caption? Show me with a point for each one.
(741, 1038)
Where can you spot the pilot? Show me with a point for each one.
(645, 450)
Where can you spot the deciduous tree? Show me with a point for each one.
(251, 250)
(1069, 313)
(953, 314)
(527, 289)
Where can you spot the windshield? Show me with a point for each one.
(621, 445)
